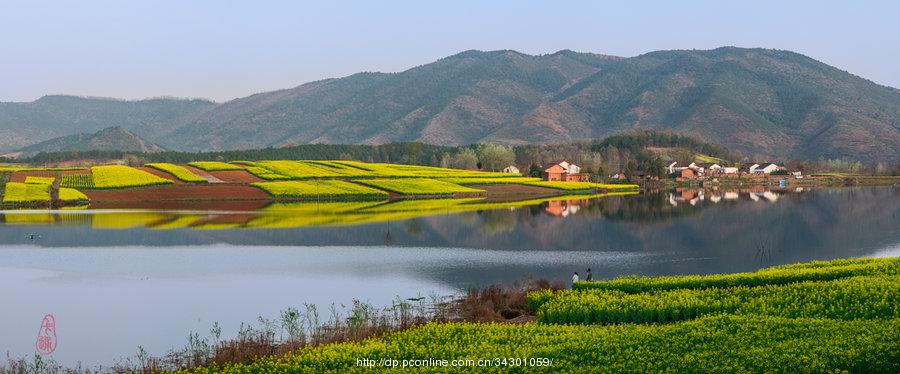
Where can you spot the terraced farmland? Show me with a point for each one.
(214, 166)
(119, 176)
(179, 172)
(26, 193)
(418, 186)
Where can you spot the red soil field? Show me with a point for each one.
(19, 176)
(235, 176)
(186, 191)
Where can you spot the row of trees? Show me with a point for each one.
(640, 151)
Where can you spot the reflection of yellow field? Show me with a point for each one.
(180, 222)
(126, 220)
(28, 218)
(289, 214)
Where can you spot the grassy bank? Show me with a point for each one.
(828, 316)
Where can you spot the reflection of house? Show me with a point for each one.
(563, 208)
(511, 169)
(565, 171)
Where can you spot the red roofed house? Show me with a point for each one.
(566, 172)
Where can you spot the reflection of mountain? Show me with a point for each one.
(739, 233)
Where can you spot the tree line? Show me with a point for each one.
(644, 151)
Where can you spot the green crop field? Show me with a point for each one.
(22, 193)
(77, 181)
(418, 186)
(179, 172)
(119, 176)
(214, 166)
(812, 324)
(320, 189)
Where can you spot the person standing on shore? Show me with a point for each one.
(589, 276)
(575, 278)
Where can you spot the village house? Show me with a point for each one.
(511, 169)
(766, 168)
(566, 172)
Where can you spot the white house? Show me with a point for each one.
(511, 169)
(765, 168)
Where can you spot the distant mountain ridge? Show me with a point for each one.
(761, 102)
(108, 139)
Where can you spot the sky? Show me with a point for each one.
(222, 50)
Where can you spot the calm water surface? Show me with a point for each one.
(116, 280)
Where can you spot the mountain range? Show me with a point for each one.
(764, 103)
(108, 139)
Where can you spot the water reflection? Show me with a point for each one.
(101, 271)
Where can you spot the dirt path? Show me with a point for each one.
(203, 174)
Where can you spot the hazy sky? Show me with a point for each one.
(227, 49)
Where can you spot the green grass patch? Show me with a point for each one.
(418, 186)
(179, 172)
(214, 166)
(120, 176)
(320, 189)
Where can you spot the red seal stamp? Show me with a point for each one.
(46, 338)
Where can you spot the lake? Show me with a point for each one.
(118, 279)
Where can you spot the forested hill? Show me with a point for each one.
(760, 102)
